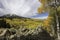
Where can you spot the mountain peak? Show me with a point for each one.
(10, 16)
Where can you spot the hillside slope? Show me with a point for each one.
(17, 21)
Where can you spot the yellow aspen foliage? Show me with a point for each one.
(42, 6)
(41, 9)
(47, 23)
(42, 1)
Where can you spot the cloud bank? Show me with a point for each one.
(23, 8)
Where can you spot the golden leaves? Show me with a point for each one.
(47, 23)
(40, 10)
(42, 6)
(42, 1)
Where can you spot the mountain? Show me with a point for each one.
(11, 16)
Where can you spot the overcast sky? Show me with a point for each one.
(25, 8)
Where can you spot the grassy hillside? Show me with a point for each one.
(20, 22)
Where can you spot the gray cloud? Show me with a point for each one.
(23, 8)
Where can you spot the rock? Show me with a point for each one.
(27, 34)
(12, 36)
(3, 32)
(25, 29)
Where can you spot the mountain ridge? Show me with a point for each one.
(11, 16)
